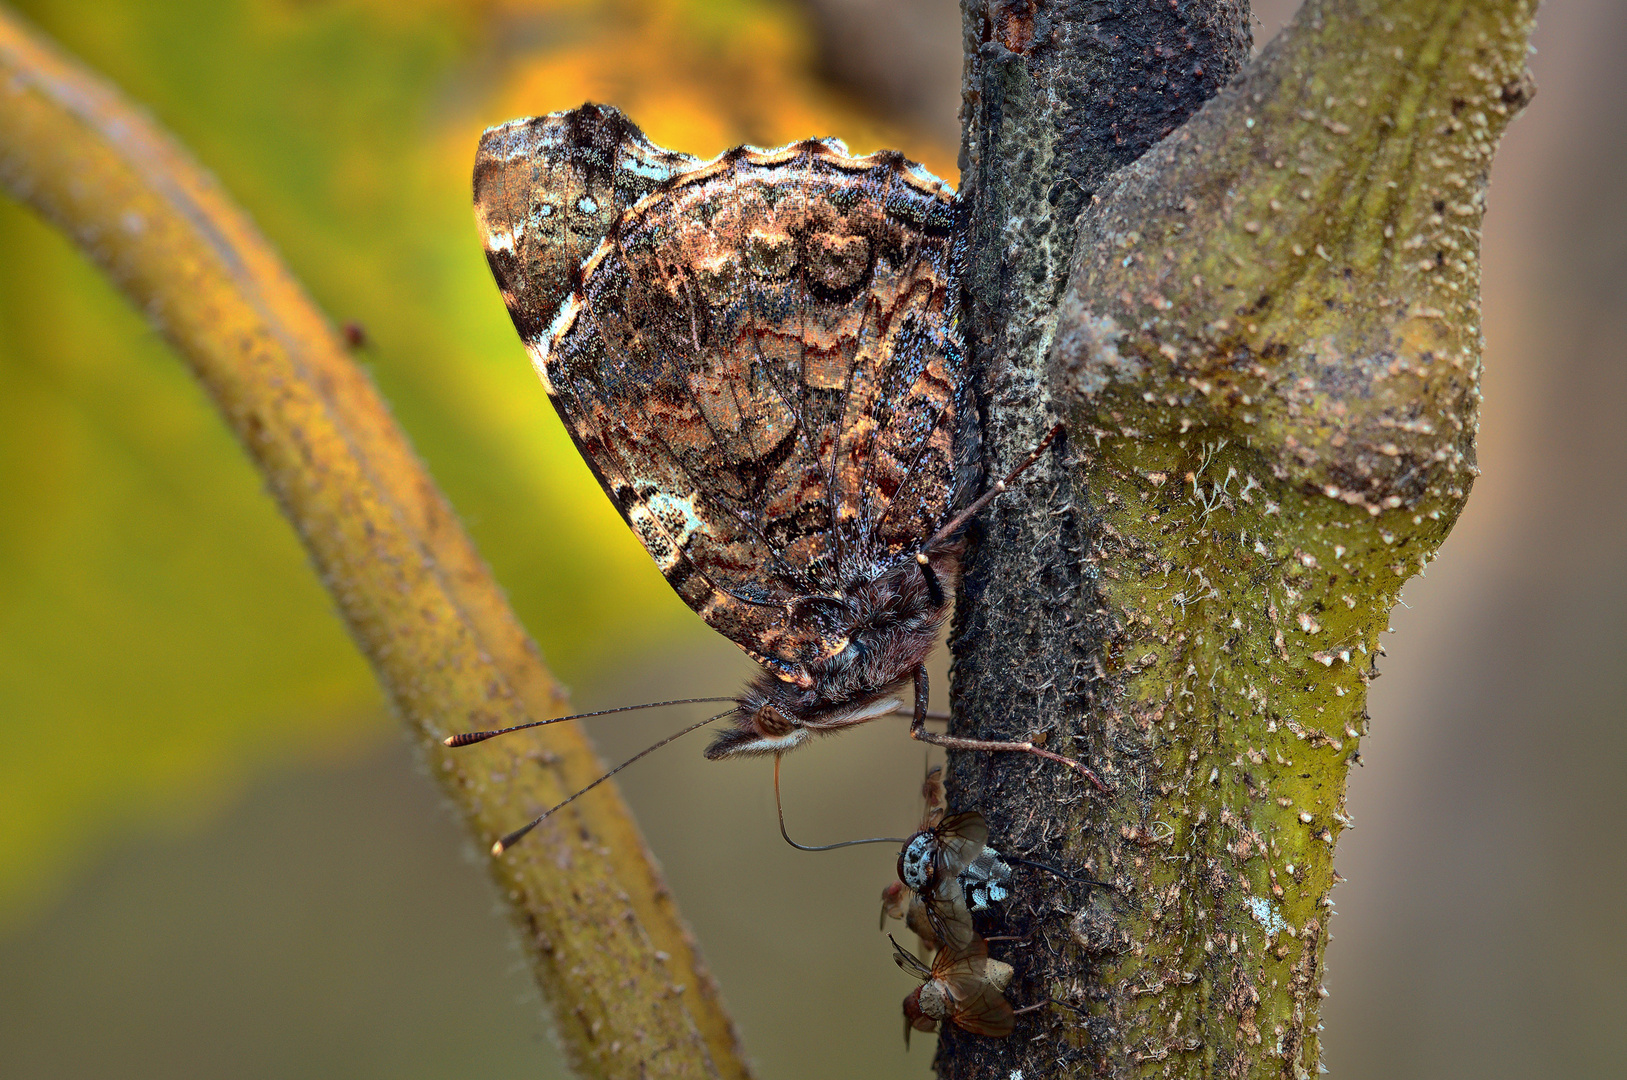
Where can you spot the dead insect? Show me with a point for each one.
(942, 847)
(931, 864)
(986, 879)
(932, 796)
(898, 902)
(944, 851)
(963, 986)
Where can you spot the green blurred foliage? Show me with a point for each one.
(161, 634)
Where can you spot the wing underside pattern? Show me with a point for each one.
(547, 190)
(763, 366)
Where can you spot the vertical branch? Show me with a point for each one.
(629, 992)
(1267, 355)
(1057, 96)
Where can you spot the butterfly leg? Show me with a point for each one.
(918, 731)
(934, 587)
(956, 523)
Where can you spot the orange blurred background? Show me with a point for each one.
(216, 855)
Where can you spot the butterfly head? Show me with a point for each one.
(773, 716)
(760, 727)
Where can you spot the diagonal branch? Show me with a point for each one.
(629, 992)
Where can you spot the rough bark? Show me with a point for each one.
(628, 991)
(1267, 357)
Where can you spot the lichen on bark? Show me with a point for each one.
(1267, 357)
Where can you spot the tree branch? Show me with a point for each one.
(1267, 356)
(629, 992)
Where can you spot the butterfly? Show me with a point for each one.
(761, 359)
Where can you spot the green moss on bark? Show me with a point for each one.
(1268, 358)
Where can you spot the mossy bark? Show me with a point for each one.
(1266, 354)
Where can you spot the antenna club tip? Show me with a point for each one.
(450, 740)
(498, 848)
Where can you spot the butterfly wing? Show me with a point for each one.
(763, 367)
(547, 189)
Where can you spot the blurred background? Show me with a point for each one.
(217, 856)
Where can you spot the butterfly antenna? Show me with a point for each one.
(514, 837)
(469, 738)
(822, 847)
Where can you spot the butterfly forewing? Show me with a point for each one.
(547, 190)
(763, 367)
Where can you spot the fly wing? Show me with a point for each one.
(763, 366)
(918, 918)
(950, 918)
(906, 960)
(978, 1004)
(957, 961)
(985, 1011)
(961, 838)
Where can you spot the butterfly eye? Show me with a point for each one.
(771, 722)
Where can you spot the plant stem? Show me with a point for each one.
(626, 984)
(1267, 357)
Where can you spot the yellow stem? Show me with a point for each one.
(629, 992)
